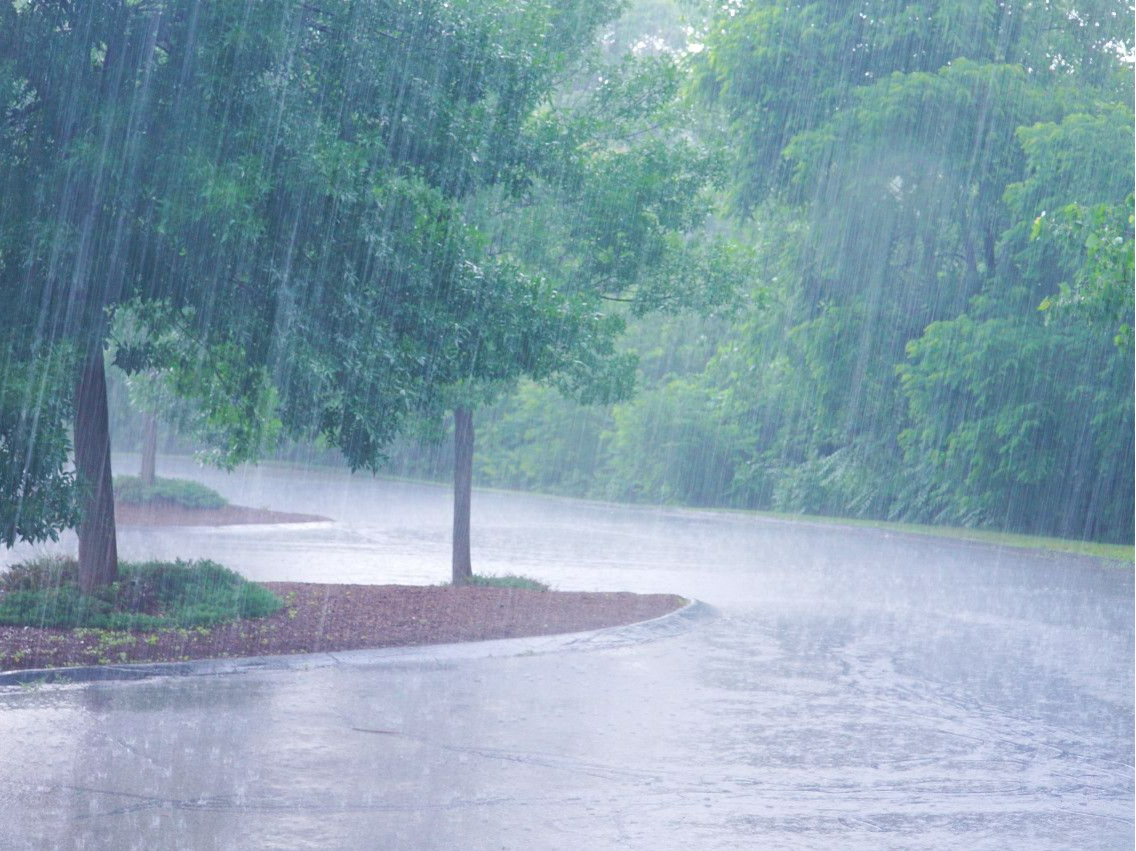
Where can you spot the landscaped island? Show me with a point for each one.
(171, 612)
(323, 618)
(182, 502)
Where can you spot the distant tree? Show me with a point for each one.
(610, 217)
(173, 378)
(1021, 416)
(884, 141)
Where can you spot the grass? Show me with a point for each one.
(509, 580)
(176, 491)
(1096, 549)
(1110, 552)
(147, 596)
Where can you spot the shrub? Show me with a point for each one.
(508, 581)
(147, 596)
(176, 491)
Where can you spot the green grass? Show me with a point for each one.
(509, 580)
(147, 596)
(176, 491)
(1110, 552)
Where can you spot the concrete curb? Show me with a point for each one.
(423, 655)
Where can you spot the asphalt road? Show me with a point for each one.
(857, 690)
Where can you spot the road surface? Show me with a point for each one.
(858, 689)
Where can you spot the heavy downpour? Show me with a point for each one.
(567, 424)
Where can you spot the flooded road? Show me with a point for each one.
(858, 690)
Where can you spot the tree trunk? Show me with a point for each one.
(98, 548)
(463, 489)
(149, 448)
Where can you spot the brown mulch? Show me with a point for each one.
(159, 513)
(343, 617)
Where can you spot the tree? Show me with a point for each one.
(106, 113)
(608, 216)
(1021, 416)
(886, 135)
(285, 179)
(889, 358)
(75, 164)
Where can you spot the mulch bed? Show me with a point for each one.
(160, 513)
(320, 617)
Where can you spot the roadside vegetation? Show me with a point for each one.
(766, 256)
(508, 580)
(147, 596)
(1120, 553)
(183, 492)
(928, 335)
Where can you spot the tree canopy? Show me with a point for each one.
(939, 318)
(332, 218)
(279, 188)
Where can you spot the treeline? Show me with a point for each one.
(939, 324)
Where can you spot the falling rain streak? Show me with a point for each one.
(869, 260)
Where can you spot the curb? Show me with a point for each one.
(417, 656)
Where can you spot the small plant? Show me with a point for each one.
(509, 580)
(170, 491)
(147, 596)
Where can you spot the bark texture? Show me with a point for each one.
(149, 448)
(98, 547)
(463, 490)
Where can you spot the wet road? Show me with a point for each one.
(859, 690)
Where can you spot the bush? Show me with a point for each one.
(508, 581)
(147, 596)
(176, 491)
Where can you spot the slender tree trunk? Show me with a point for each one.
(989, 245)
(98, 547)
(149, 448)
(463, 489)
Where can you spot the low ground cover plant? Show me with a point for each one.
(149, 595)
(509, 580)
(176, 491)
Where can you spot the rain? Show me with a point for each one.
(545, 424)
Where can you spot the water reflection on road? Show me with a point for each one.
(859, 690)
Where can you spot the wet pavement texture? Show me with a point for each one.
(858, 690)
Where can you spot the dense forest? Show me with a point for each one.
(937, 326)
(867, 259)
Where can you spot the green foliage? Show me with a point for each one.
(1001, 442)
(181, 492)
(38, 493)
(689, 458)
(213, 395)
(147, 596)
(268, 202)
(508, 580)
(1101, 290)
(536, 439)
(333, 220)
(780, 70)
(1023, 419)
(920, 181)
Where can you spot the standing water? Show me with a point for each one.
(857, 689)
